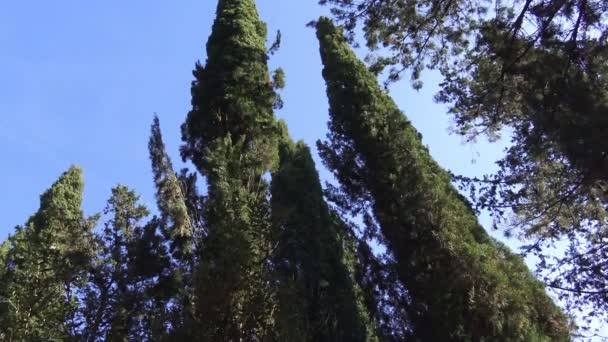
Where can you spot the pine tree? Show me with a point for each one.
(319, 299)
(125, 299)
(230, 135)
(46, 266)
(463, 284)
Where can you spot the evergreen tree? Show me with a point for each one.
(463, 285)
(385, 296)
(195, 204)
(46, 266)
(125, 299)
(319, 299)
(5, 303)
(170, 199)
(534, 71)
(230, 135)
(179, 230)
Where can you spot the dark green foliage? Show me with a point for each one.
(126, 298)
(463, 285)
(314, 260)
(385, 296)
(182, 226)
(232, 94)
(232, 286)
(537, 70)
(170, 199)
(253, 262)
(230, 135)
(554, 175)
(46, 264)
(195, 203)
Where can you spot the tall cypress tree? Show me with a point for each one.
(179, 231)
(170, 199)
(230, 135)
(463, 285)
(319, 299)
(385, 296)
(47, 264)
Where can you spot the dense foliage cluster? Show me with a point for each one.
(535, 69)
(462, 284)
(257, 252)
(319, 298)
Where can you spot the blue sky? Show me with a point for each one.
(80, 84)
(80, 81)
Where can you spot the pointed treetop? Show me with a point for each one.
(462, 284)
(64, 198)
(232, 95)
(170, 198)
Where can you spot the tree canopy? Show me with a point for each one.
(463, 285)
(535, 72)
(250, 246)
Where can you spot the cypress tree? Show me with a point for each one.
(319, 299)
(230, 136)
(46, 266)
(463, 284)
(546, 87)
(385, 296)
(175, 219)
(232, 94)
(182, 235)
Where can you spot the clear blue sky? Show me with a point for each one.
(80, 81)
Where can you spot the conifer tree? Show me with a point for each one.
(180, 232)
(46, 266)
(230, 136)
(319, 298)
(170, 199)
(463, 285)
(195, 204)
(533, 73)
(125, 299)
(385, 296)
(5, 303)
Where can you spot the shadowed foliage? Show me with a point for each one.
(319, 299)
(230, 135)
(531, 70)
(463, 285)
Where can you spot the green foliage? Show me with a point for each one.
(249, 261)
(125, 299)
(232, 94)
(171, 202)
(182, 226)
(385, 296)
(318, 297)
(553, 177)
(46, 264)
(463, 285)
(234, 298)
(230, 135)
(537, 71)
